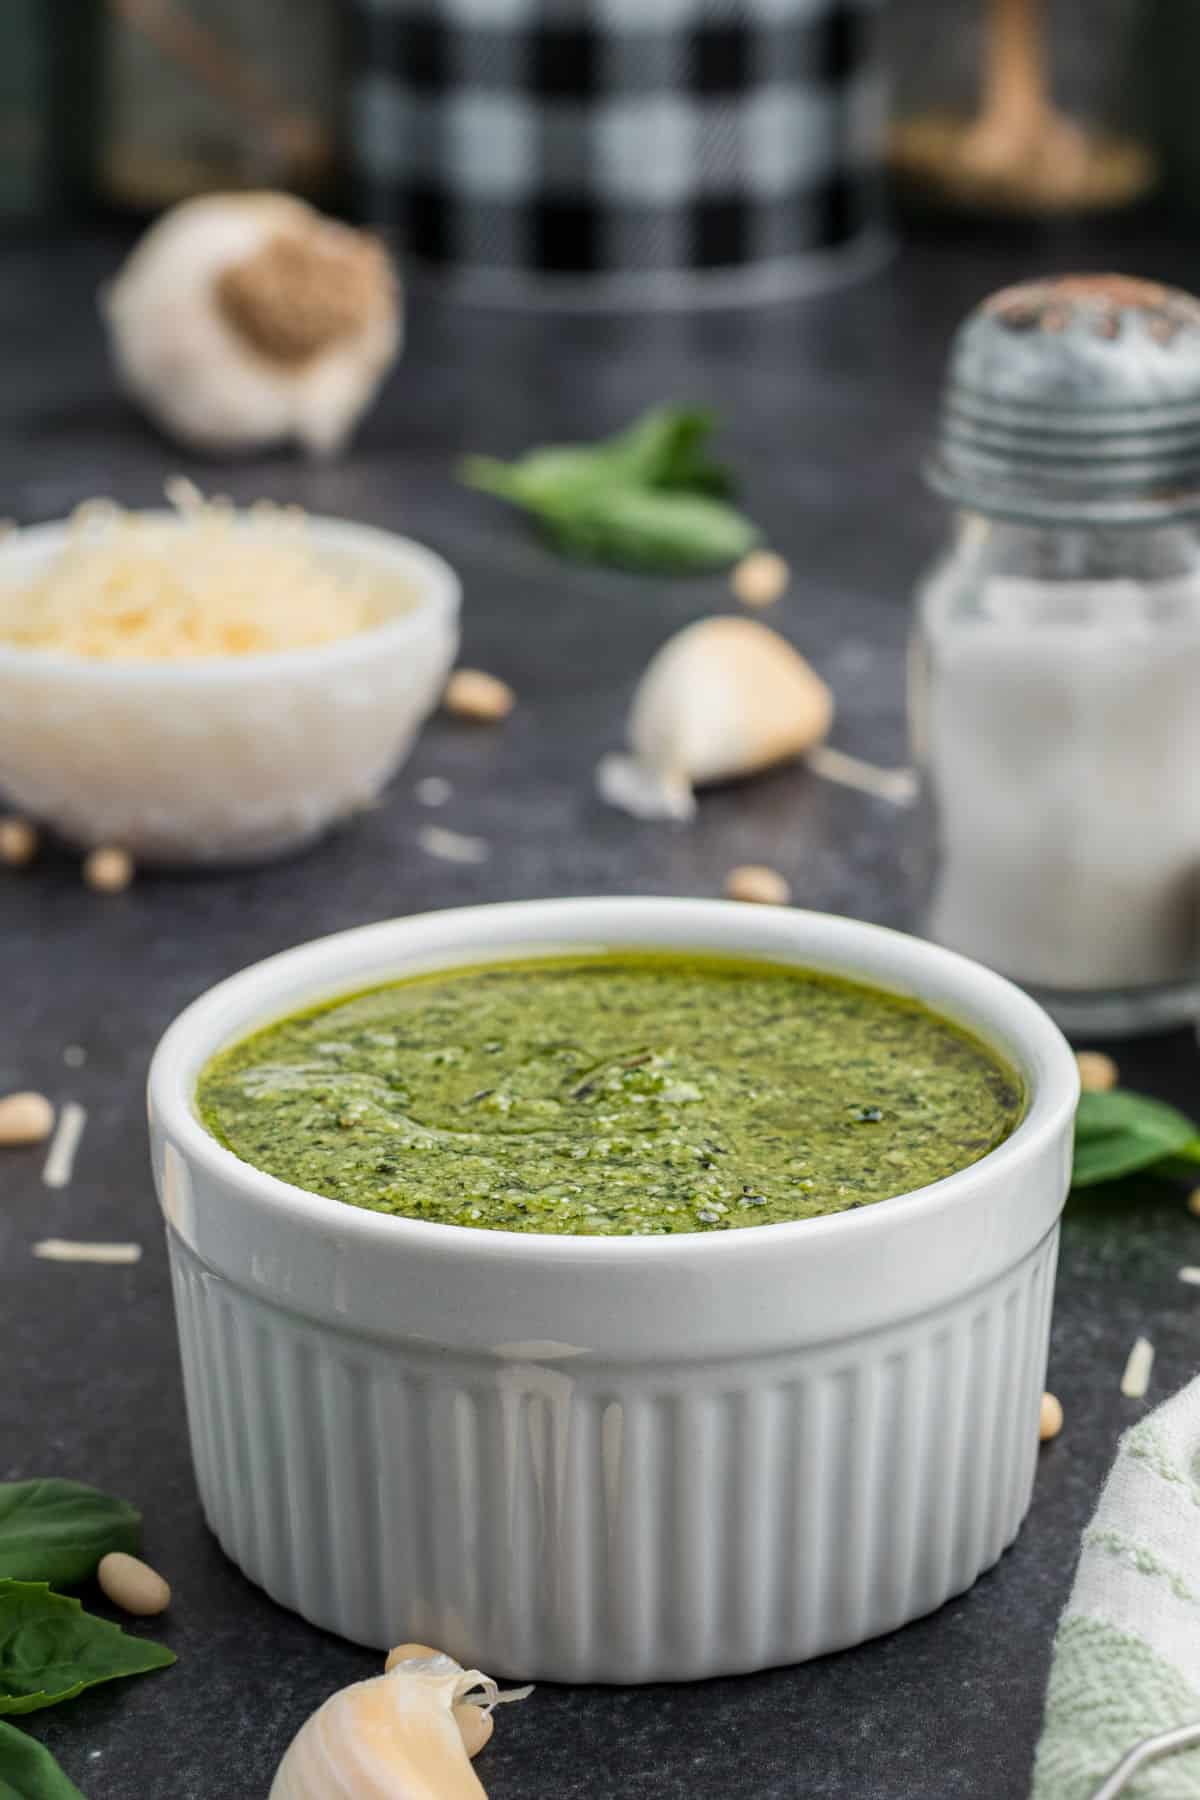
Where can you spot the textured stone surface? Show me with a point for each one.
(827, 408)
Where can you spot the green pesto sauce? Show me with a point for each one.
(622, 1094)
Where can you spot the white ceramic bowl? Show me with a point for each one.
(233, 759)
(629, 1459)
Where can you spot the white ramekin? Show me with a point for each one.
(233, 759)
(598, 1459)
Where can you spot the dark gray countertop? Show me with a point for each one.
(827, 407)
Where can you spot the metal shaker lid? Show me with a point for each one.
(1075, 399)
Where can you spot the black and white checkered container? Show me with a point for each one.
(623, 152)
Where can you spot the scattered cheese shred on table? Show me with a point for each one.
(66, 1250)
(897, 785)
(452, 846)
(129, 587)
(60, 1158)
(1136, 1379)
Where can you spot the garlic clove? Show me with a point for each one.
(409, 1653)
(722, 698)
(725, 697)
(409, 1734)
(475, 1727)
(393, 1738)
(241, 320)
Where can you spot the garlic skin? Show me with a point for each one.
(244, 320)
(396, 1737)
(722, 698)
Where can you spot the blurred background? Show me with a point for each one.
(116, 108)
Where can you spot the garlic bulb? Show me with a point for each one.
(241, 320)
(722, 698)
(407, 1735)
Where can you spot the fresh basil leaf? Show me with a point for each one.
(651, 529)
(1181, 1166)
(57, 1531)
(667, 448)
(28, 1771)
(1120, 1133)
(697, 473)
(50, 1649)
(648, 498)
(550, 477)
(664, 448)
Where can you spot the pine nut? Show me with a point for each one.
(1051, 1422)
(761, 578)
(108, 870)
(25, 1119)
(18, 841)
(133, 1585)
(1097, 1072)
(757, 884)
(472, 694)
(475, 1727)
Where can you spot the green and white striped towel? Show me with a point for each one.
(1127, 1655)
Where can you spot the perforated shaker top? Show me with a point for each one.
(1075, 399)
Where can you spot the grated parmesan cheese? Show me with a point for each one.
(69, 1250)
(1135, 1382)
(127, 587)
(452, 846)
(899, 786)
(60, 1159)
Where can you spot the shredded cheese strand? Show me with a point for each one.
(1135, 1382)
(68, 1250)
(126, 587)
(60, 1158)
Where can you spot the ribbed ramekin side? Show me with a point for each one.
(556, 1519)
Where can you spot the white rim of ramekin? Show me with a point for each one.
(994, 1008)
(437, 593)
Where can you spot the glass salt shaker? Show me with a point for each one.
(1055, 671)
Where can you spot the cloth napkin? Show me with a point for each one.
(1127, 1654)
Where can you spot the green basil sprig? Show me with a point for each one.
(1119, 1133)
(642, 528)
(649, 498)
(28, 1771)
(57, 1531)
(51, 1650)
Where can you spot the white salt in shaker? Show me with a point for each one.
(1055, 697)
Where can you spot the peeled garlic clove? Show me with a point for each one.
(410, 1653)
(241, 320)
(393, 1738)
(725, 697)
(722, 698)
(475, 1727)
(403, 1736)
